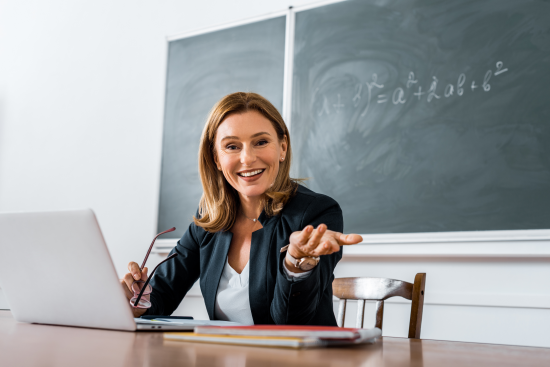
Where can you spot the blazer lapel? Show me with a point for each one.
(257, 284)
(214, 272)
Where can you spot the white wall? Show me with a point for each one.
(81, 104)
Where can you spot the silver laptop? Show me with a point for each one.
(55, 268)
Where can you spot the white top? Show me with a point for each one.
(232, 302)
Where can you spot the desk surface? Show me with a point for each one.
(43, 345)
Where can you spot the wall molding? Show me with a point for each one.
(479, 300)
(519, 244)
(466, 236)
(477, 250)
(466, 299)
(163, 246)
(504, 245)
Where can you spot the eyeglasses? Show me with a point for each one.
(141, 288)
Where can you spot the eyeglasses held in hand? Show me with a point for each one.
(141, 288)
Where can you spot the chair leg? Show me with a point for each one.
(360, 313)
(341, 312)
(417, 306)
(379, 314)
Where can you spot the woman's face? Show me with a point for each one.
(248, 152)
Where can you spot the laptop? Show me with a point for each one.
(55, 269)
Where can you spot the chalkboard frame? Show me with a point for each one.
(538, 236)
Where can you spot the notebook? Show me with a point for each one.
(278, 336)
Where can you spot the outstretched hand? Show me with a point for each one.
(319, 241)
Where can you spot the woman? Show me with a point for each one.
(249, 212)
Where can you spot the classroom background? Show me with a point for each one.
(82, 88)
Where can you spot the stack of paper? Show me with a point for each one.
(278, 335)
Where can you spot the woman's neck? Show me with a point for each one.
(251, 207)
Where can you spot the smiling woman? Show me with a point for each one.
(264, 246)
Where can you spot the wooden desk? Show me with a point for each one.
(41, 345)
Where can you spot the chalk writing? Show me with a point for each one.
(357, 96)
(461, 81)
(338, 105)
(399, 95)
(371, 85)
(486, 85)
(431, 92)
(325, 109)
(449, 90)
(419, 93)
(411, 80)
(500, 70)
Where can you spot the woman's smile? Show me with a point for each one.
(251, 175)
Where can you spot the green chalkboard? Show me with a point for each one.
(426, 116)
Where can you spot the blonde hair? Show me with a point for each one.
(220, 202)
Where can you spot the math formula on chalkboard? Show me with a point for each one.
(374, 93)
(425, 116)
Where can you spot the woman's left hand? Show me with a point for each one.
(319, 241)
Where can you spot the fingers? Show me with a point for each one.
(134, 274)
(349, 239)
(320, 241)
(303, 236)
(134, 269)
(316, 236)
(138, 312)
(127, 285)
(325, 242)
(328, 246)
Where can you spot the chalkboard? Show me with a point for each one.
(201, 70)
(426, 116)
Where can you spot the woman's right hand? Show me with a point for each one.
(134, 274)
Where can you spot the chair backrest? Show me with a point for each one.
(380, 289)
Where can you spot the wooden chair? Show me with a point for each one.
(380, 289)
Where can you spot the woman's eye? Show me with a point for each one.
(262, 142)
(231, 147)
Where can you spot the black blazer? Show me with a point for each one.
(274, 297)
